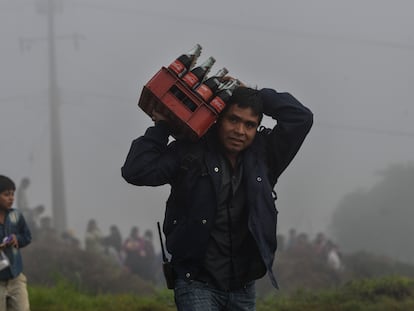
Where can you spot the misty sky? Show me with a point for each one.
(351, 62)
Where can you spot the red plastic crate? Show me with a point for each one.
(189, 115)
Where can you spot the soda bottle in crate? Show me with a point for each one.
(209, 87)
(186, 61)
(223, 95)
(196, 75)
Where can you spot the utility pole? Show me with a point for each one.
(57, 172)
(49, 8)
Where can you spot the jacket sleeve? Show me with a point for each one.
(24, 236)
(294, 122)
(151, 161)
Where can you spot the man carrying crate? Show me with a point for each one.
(220, 219)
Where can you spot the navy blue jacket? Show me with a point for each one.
(191, 206)
(14, 224)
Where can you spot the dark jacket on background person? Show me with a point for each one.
(14, 224)
(193, 170)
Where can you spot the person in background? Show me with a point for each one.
(31, 214)
(69, 238)
(14, 234)
(113, 244)
(134, 251)
(149, 259)
(220, 219)
(21, 195)
(292, 239)
(47, 233)
(333, 256)
(319, 245)
(94, 238)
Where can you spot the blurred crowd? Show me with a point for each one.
(320, 247)
(135, 253)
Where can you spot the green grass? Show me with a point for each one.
(382, 294)
(65, 297)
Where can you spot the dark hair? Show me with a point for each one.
(6, 184)
(246, 97)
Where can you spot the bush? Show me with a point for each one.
(87, 271)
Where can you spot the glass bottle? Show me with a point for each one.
(186, 61)
(207, 88)
(223, 95)
(196, 75)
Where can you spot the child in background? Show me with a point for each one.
(14, 234)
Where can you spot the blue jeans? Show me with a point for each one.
(197, 296)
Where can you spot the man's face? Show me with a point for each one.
(237, 129)
(6, 199)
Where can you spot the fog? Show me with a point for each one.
(351, 62)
